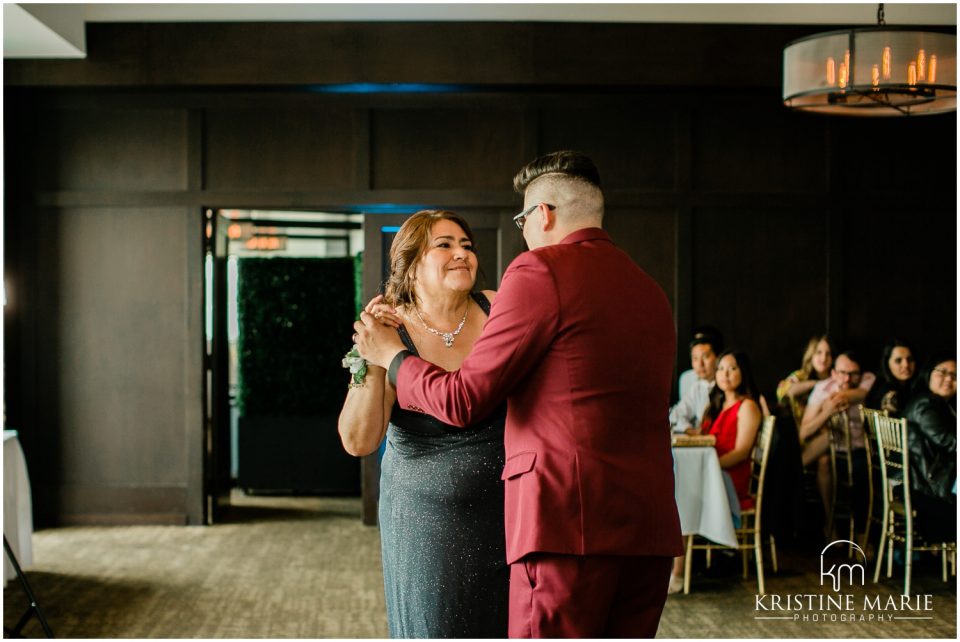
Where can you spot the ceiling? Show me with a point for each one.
(41, 30)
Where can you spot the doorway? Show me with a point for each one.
(257, 451)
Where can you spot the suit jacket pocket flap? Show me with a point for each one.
(519, 464)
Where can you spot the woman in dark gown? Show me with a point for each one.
(441, 498)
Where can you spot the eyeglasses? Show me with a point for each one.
(853, 374)
(946, 374)
(521, 218)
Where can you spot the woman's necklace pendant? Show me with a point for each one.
(447, 337)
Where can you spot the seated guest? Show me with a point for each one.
(689, 377)
(932, 419)
(892, 390)
(847, 387)
(687, 414)
(733, 416)
(815, 366)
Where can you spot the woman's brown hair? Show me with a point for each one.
(408, 246)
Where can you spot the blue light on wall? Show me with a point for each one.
(389, 88)
(389, 208)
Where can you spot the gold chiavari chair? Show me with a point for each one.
(749, 534)
(895, 481)
(876, 498)
(841, 474)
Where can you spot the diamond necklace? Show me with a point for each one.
(447, 337)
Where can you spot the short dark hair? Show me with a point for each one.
(569, 163)
(707, 334)
(706, 341)
(849, 354)
(935, 360)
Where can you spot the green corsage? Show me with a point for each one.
(357, 366)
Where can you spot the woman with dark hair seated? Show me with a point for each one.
(898, 368)
(932, 433)
(733, 417)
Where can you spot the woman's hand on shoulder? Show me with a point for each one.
(490, 294)
(385, 314)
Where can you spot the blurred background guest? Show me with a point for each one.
(932, 419)
(815, 366)
(898, 368)
(689, 377)
(846, 387)
(688, 413)
(733, 417)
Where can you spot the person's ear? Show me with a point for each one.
(548, 218)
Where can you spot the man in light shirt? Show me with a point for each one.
(688, 413)
(846, 387)
(689, 377)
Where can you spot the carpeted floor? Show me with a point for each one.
(308, 568)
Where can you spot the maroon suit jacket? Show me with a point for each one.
(580, 341)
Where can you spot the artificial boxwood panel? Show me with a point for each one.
(358, 281)
(295, 317)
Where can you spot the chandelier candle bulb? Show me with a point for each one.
(852, 72)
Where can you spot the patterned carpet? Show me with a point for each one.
(308, 568)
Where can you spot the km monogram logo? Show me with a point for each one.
(837, 571)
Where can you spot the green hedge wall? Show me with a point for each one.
(358, 282)
(295, 319)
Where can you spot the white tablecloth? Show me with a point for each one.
(17, 506)
(702, 495)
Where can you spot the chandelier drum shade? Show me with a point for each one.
(878, 71)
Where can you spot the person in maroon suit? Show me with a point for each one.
(580, 341)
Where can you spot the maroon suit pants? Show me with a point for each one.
(593, 596)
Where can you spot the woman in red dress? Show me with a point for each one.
(734, 417)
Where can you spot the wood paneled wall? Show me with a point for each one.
(769, 224)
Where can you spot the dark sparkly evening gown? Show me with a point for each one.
(441, 525)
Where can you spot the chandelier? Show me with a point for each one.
(876, 71)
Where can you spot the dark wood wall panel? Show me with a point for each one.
(446, 148)
(635, 146)
(897, 155)
(649, 237)
(761, 277)
(901, 279)
(753, 144)
(112, 311)
(113, 149)
(287, 53)
(277, 149)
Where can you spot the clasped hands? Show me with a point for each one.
(838, 401)
(375, 335)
